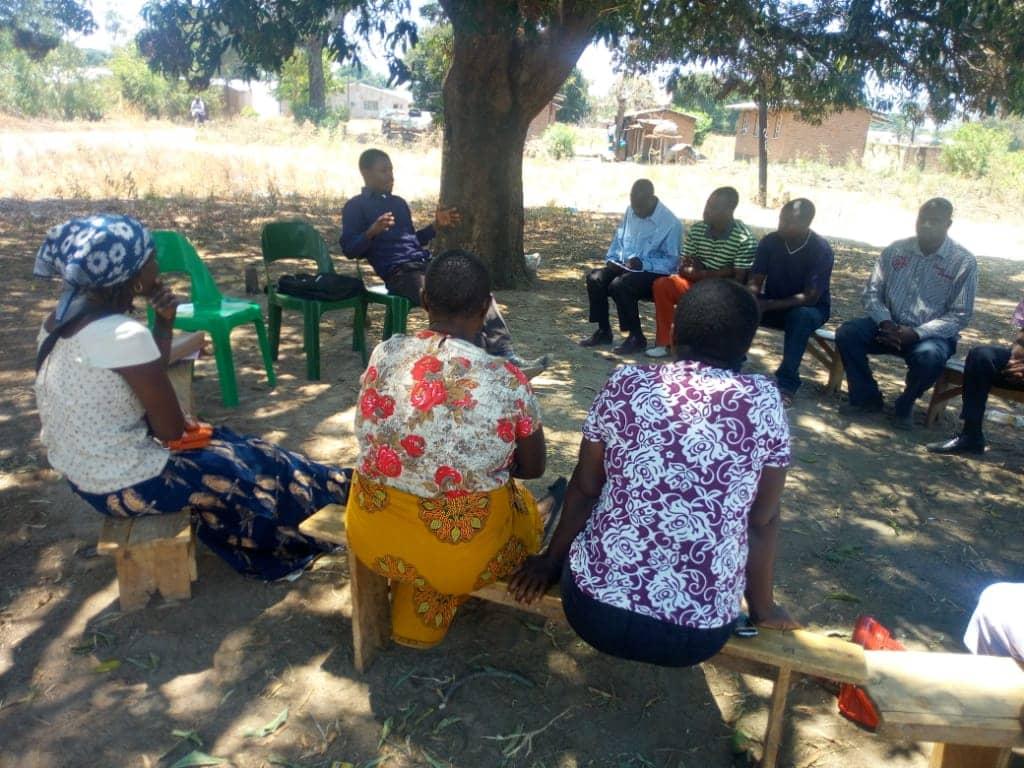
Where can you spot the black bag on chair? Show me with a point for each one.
(326, 287)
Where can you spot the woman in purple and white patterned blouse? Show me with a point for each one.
(672, 513)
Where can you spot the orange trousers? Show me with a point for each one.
(667, 292)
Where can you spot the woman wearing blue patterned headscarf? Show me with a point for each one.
(108, 411)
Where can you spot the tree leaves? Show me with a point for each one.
(827, 54)
(193, 39)
(38, 25)
(268, 728)
(197, 758)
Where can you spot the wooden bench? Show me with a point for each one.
(951, 384)
(777, 656)
(971, 706)
(153, 554)
(822, 347)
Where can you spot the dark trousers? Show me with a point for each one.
(925, 361)
(983, 370)
(625, 289)
(629, 635)
(407, 280)
(799, 324)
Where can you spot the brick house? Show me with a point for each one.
(840, 137)
(543, 119)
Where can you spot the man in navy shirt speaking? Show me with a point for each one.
(377, 225)
(790, 277)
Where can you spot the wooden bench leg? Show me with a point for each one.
(165, 567)
(945, 389)
(835, 374)
(371, 612)
(966, 756)
(193, 572)
(835, 365)
(135, 579)
(776, 719)
(175, 568)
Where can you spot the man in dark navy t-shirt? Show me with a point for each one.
(377, 225)
(790, 277)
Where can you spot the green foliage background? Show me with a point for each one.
(981, 150)
(69, 84)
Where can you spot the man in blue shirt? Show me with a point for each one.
(790, 277)
(645, 247)
(377, 225)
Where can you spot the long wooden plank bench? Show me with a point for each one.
(970, 706)
(776, 656)
(951, 385)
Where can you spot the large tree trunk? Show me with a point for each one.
(500, 79)
(317, 87)
(762, 149)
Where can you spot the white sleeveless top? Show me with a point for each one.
(93, 426)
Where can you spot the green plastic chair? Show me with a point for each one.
(299, 240)
(210, 311)
(396, 308)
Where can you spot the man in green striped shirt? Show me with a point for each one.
(717, 246)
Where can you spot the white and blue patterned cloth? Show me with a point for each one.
(92, 252)
(684, 448)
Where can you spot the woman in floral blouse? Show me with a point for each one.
(672, 512)
(443, 427)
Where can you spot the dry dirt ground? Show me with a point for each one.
(872, 524)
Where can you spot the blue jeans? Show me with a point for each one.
(925, 362)
(629, 635)
(799, 324)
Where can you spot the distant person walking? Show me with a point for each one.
(198, 110)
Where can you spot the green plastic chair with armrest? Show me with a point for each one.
(211, 311)
(298, 240)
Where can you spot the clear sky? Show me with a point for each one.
(596, 62)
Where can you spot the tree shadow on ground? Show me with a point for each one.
(872, 524)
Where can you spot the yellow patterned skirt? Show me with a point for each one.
(438, 550)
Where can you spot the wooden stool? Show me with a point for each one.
(153, 553)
